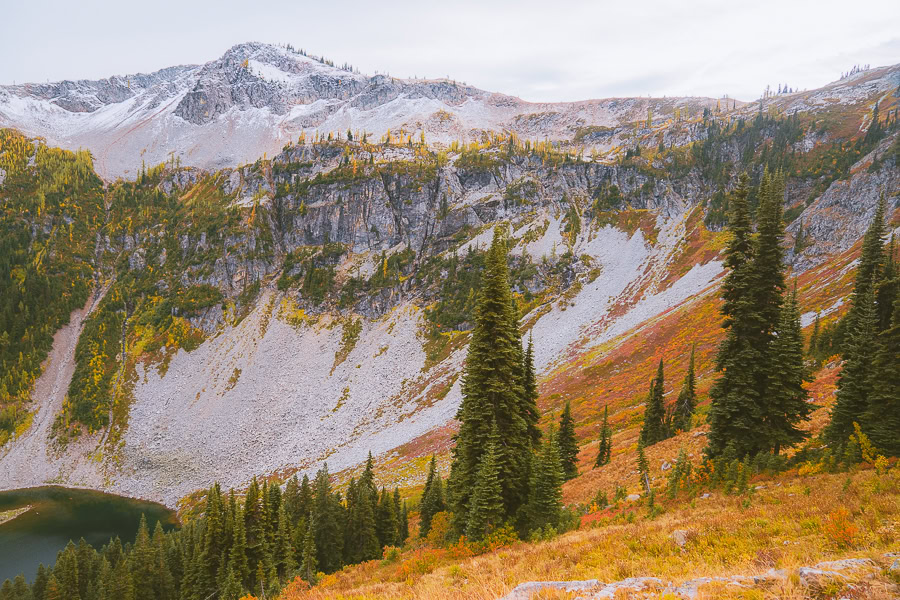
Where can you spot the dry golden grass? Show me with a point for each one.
(782, 526)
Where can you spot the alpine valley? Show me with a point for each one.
(241, 270)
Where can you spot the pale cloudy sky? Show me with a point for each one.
(548, 50)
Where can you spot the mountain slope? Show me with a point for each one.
(315, 305)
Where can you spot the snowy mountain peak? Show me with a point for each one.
(256, 97)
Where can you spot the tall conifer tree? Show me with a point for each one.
(654, 429)
(544, 506)
(687, 398)
(882, 418)
(856, 378)
(868, 274)
(432, 498)
(786, 405)
(529, 382)
(568, 445)
(492, 394)
(735, 414)
(604, 448)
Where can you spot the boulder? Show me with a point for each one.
(683, 536)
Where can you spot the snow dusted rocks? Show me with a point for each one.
(257, 97)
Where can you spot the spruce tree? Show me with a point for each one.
(404, 523)
(386, 521)
(237, 556)
(888, 288)
(402, 519)
(255, 530)
(308, 564)
(529, 382)
(654, 429)
(568, 445)
(432, 499)
(66, 569)
(141, 563)
(328, 534)
(868, 274)
(285, 560)
(604, 448)
(687, 399)
(643, 467)
(785, 401)
(486, 510)
(492, 393)
(882, 418)
(544, 506)
(735, 414)
(768, 260)
(856, 378)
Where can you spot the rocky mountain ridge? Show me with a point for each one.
(257, 97)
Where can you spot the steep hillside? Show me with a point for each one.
(316, 305)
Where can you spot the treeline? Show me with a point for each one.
(253, 545)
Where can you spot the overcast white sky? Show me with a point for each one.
(549, 50)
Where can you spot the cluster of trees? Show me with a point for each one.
(255, 545)
(504, 470)
(660, 421)
(869, 385)
(758, 401)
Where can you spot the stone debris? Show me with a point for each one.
(592, 589)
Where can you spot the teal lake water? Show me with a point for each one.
(62, 514)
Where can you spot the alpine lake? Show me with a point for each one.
(56, 515)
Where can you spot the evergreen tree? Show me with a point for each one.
(492, 393)
(654, 429)
(687, 399)
(308, 564)
(285, 560)
(255, 530)
(40, 582)
(882, 418)
(486, 510)
(238, 553)
(786, 405)
(404, 522)
(328, 540)
(734, 413)
(402, 519)
(855, 382)
(643, 467)
(868, 274)
(888, 288)
(529, 382)
(432, 499)
(813, 348)
(386, 525)
(604, 448)
(142, 571)
(545, 503)
(768, 262)
(231, 588)
(567, 444)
